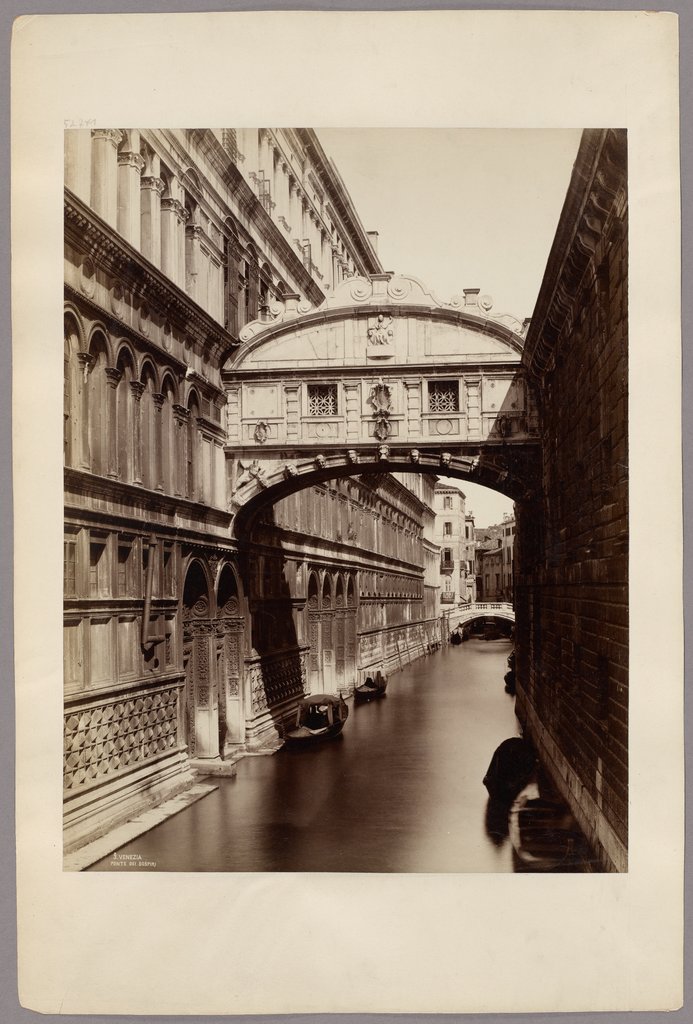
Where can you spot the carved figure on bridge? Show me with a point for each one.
(290, 470)
(383, 452)
(353, 456)
(320, 461)
(381, 333)
(445, 458)
(415, 455)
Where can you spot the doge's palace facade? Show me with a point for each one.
(185, 645)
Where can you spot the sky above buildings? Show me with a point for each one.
(461, 208)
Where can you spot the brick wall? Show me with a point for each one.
(572, 557)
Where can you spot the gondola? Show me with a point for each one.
(371, 688)
(319, 716)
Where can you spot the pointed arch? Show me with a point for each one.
(98, 402)
(125, 399)
(168, 434)
(148, 423)
(192, 443)
(73, 385)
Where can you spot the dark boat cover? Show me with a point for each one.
(511, 768)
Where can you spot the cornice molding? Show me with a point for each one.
(89, 234)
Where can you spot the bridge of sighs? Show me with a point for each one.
(382, 377)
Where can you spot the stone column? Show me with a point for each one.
(113, 379)
(104, 173)
(195, 281)
(172, 220)
(82, 455)
(78, 162)
(326, 259)
(294, 208)
(137, 389)
(130, 166)
(150, 218)
(158, 481)
(206, 707)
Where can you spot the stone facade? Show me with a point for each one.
(184, 641)
(572, 557)
(455, 536)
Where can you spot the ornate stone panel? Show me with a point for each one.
(102, 741)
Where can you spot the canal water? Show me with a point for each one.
(400, 790)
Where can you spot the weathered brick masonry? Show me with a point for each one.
(572, 557)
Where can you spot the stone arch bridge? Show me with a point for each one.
(382, 377)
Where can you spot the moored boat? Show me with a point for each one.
(318, 716)
(371, 688)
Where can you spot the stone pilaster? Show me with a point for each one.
(86, 362)
(158, 462)
(173, 217)
(130, 166)
(113, 379)
(151, 190)
(195, 279)
(137, 388)
(180, 420)
(104, 173)
(78, 162)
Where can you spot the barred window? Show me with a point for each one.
(443, 396)
(322, 400)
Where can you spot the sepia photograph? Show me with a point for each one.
(338, 625)
(345, 551)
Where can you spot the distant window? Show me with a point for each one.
(447, 529)
(443, 396)
(447, 502)
(322, 400)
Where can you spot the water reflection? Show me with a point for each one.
(400, 790)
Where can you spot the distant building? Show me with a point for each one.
(494, 562)
(454, 534)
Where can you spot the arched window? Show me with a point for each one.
(98, 406)
(168, 437)
(124, 417)
(192, 450)
(72, 393)
(147, 427)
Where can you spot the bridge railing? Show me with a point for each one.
(471, 611)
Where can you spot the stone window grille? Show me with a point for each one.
(443, 396)
(322, 400)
